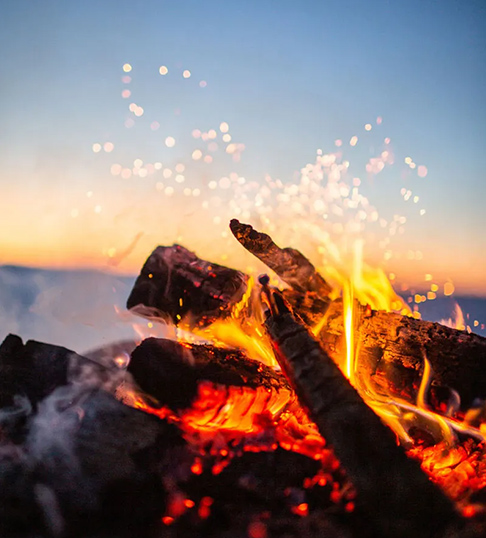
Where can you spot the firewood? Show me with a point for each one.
(171, 371)
(90, 467)
(395, 345)
(175, 283)
(388, 344)
(289, 264)
(397, 495)
(35, 369)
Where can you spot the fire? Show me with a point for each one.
(371, 287)
(239, 330)
(255, 419)
(456, 321)
(348, 298)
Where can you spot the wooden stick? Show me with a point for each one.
(289, 264)
(397, 495)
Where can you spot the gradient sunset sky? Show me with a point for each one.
(93, 92)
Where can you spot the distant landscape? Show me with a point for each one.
(83, 310)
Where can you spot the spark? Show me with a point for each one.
(449, 288)
(127, 68)
(170, 141)
(163, 70)
(115, 169)
(422, 171)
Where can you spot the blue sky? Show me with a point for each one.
(289, 77)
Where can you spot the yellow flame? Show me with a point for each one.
(349, 329)
(249, 337)
(358, 282)
(238, 330)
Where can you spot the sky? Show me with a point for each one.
(94, 177)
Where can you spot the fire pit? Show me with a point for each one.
(282, 407)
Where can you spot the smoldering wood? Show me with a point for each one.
(90, 465)
(35, 369)
(289, 264)
(398, 497)
(395, 346)
(171, 371)
(175, 283)
(265, 487)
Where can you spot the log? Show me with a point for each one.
(171, 371)
(289, 264)
(213, 389)
(398, 497)
(174, 283)
(89, 467)
(394, 346)
(35, 369)
(391, 347)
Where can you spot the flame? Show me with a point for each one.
(359, 283)
(240, 330)
(456, 321)
(246, 335)
(349, 329)
(255, 419)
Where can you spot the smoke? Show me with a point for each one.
(75, 309)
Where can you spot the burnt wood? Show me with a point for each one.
(174, 283)
(171, 371)
(389, 345)
(393, 345)
(289, 264)
(35, 369)
(399, 498)
(90, 466)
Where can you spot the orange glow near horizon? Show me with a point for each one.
(100, 236)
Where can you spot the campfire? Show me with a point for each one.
(276, 405)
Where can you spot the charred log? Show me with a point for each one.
(175, 283)
(397, 495)
(35, 369)
(289, 264)
(171, 371)
(394, 346)
(90, 466)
